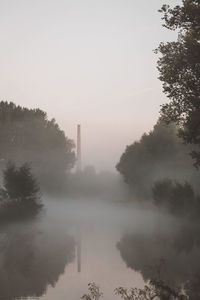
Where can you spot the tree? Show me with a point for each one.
(157, 155)
(179, 199)
(154, 289)
(20, 193)
(28, 135)
(94, 292)
(179, 68)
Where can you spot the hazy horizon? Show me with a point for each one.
(87, 62)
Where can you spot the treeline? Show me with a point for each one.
(158, 155)
(35, 157)
(160, 170)
(161, 166)
(26, 135)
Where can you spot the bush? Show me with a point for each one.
(20, 193)
(179, 199)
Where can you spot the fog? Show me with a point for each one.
(38, 253)
(116, 204)
(119, 244)
(64, 227)
(85, 63)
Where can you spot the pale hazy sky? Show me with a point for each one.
(88, 62)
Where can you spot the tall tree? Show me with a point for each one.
(179, 68)
(157, 155)
(26, 135)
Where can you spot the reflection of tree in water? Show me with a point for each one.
(31, 260)
(175, 256)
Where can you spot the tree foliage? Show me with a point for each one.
(157, 155)
(179, 68)
(20, 183)
(155, 289)
(94, 292)
(28, 135)
(179, 199)
(20, 193)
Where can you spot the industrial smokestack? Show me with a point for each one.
(79, 253)
(78, 148)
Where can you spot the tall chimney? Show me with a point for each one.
(79, 253)
(78, 148)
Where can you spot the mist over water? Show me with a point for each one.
(117, 208)
(96, 227)
(63, 228)
(115, 244)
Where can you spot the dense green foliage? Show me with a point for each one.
(20, 194)
(158, 154)
(179, 68)
(26, 135)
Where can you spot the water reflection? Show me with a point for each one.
(172, 255)
(31, 259)
(96, 227)
(84, 237)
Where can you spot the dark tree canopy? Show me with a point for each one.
(19, 196)
(179, 68)
(19, 183)
(178, 199)
(26, 135)
(158, 154)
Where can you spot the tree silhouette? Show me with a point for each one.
(26, 135)
(179, 199)
(179, 68)
(19, 194)
(157, 155)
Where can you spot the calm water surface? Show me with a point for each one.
(96, 228)
(74, 243)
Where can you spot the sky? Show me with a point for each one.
(88, 62)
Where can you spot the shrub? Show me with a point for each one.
(20, 193)
(177, 198)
